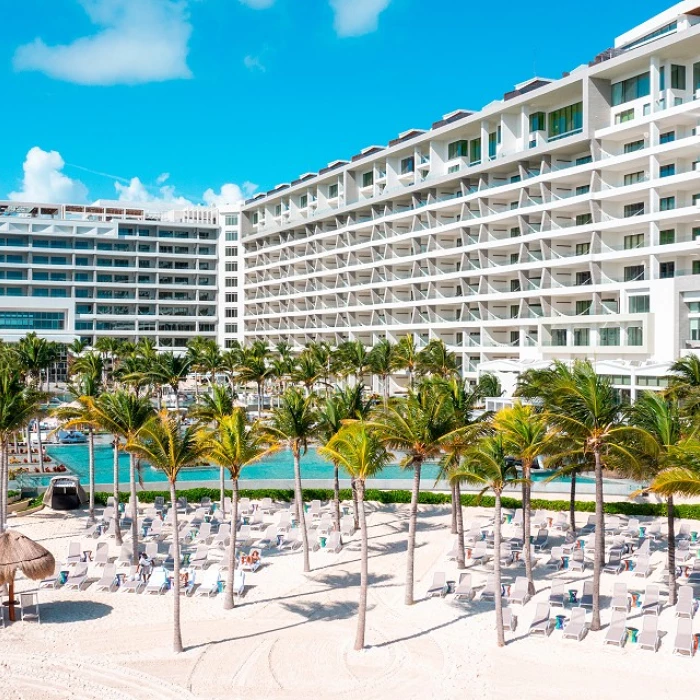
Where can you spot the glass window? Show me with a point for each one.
(231, 219)
(515, 285)
(667, 270)
(368, 179)
(583, 189)
(630, 89)
(636, 209)
(583, 248)
(493, 144)
(538, 121)
(678, 77)
(584, 219)
(559, 337)
(632, 178)
(583, 307)
(332, 191)
(695, 328)
(634, 336)
(667, 236)
(634, 273)
(696, 77)
(662, 78)
(667, 137)
(667, 170)
(639, 304)
(583, 278)
(475, 151)
(457, 149)
(625, 116)
(303, 201)
(232, 235)
(633, 146)
(609, 336)
(408, 165)
(582, 336)
(566, 120)
(696, 267)
(636, 240)
(514, 309)
(667, 203)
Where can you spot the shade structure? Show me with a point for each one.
(17, 551)
(65, 493)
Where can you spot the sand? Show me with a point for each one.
(291, 635)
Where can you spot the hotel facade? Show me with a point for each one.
(560, 222)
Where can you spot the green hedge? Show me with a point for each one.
(689, 512)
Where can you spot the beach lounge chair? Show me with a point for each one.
(649, 637)
(159, 582)
(209, 582)
(51, 581)
(205, 503)
(199, 559)
(589, 527)
(519, 592)
(539, 520)
(132, 582)
(620, 598)
(75, 554)
(244, 506)
(555, 560)
(333, 543)
(78, 578)
(685, 606)
(291, 540)
(506, 554)
(255, 563)
(642, 567)
(222, 537)
(644, 549)
(510, 619)
(576, 626)
(617, 632)
(557, 595)
(203, 534)
(244, 536)
(182, 505)
(284, 521)
(124, 558)
(683, 531)
(612, 525)
(29, 607)
(517, 518)
(652, 602)
(632, 529)
(541, 540)
(266, 505)
(464, 589)
(438, 586)
(269, 539)
(653, 531)
(561, 522)
(454, 551)
(683, 552)
(347, 526)
(587, 595)
(480, 553)
(541, 623)
(577, 560)
(108, 582)
(614, 564)
(325, 524)
(238, 582)
(101, 554)
(488, 592)
(684, 643)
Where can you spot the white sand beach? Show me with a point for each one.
(290, 636)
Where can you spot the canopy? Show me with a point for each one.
(17, 551)
(65, 493)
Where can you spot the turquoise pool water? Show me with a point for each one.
(277, 466)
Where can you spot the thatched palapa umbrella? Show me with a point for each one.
(19, 552)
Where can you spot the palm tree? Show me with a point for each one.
(294, 423)
(108, 348)
(672, 433)
(416, 426)
(485, 465)
(170, 370)
(77, 346)
(18, 404)
(526, 436)
(233, 445)
(124, 415)
(354, 358)
(254, 368)
(166, 445)
(306, 371)
(381, 362)
(435, 359)
(406, 356)
(360, 452)
(587, 409)
(35, 355)
(489, 385)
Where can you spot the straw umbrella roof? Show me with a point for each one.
(19, 552)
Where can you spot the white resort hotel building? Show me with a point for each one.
(561, 221)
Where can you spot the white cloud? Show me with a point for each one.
(229, 194)
(139, 41)
(357, 17)
(162, 178)
(253, 63)
(43, 180)
(137, 192)
(258, 4)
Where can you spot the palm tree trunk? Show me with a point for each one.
(222, 492)
(453, 502)
(91, 475)
(336, 498)
(4, 485)
(364, 583)
(460, 528)
(177, 400)
(228, 591)
(40, 445)
(599, 540)
(135, 510)
(300, 501)
(260, 400)
(671, 516)
(572, 504)
(177, 632)
(29, 445)
(115, 492)
(412, 524)
(355, 505)
(527, 528)
(498, 597)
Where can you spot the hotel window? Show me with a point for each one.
(634, 336)
(633, 146)
(408, 165)
(231, 328)
(231, 297)
(636, 240)
(457, 149)
(667, 137)
(515, 285)
(583, 189)
(538, 122)
(696, 267)
(559, 337)
(583, 248)
(667, 203)
(678, 77)
(303, 201)
(232, 281)
(514, 309)
(584, 219)
(667, 270)
(368, 179)
(583, 307)
(582, 337)
(636, 209)
(626, 116)
(278, 210)
(609, 336)
(254, 218)
(231, 235)
(583, 278)
(633, 178)
(231, 251)
(493, 144)
(639, 304)
(634, 273)
(514, 258)
(475, 151)
(232, 266)
(630, 89)
(566, 120)
(515, 232)
(332, 191)
(667, 236)
(231, 220)
(667, 170)
(662, 78)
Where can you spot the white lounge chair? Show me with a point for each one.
(684, 643)
(556, 558)
(480, 553)
(108, 582)
(510, 619)
(347, 526)
(78, 578)
(75, 555)
(541, 622)
(29, 607)
(587, 595)
(577, 560)
(101, 554)
(649, 637)
(576, 626)
(541, 540)
(159, 581)
(438, 586)
(652, 602)
(488, 592)
(464, 589)
(620, 598)
(132, 583)
(519, 592)
(333, 543)
(617, 632)
(199, 559)
(209, 583)
(557, 595)
(685, 606)
(238, 582)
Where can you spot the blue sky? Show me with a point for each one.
(189, 96)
